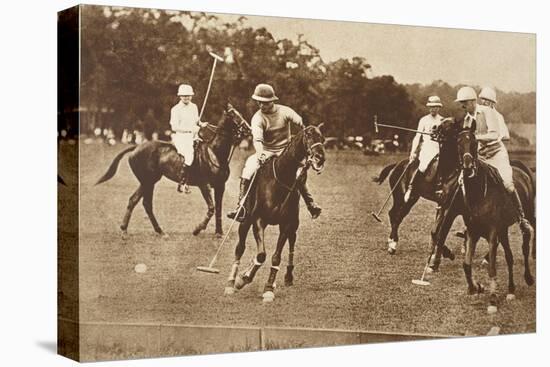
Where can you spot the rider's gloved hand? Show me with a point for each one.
(261, 158)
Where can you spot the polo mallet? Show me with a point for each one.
(376, 125)
(421, 281)
(210, 268)
(377, 215)
(216, 59)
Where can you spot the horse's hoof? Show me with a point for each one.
(240, 282)
(510, 297)
(451, 256)
(289, 281)
(268, 296)
(529, 280)
(229, 291)
(219, 234)
(430, 270)
(480, 288)
(124, 234)
(492, 309)
(196, 231)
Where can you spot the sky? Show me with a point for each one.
(504, 60)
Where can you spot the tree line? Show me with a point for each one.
(132, 61)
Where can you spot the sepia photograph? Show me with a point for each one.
(235, 183)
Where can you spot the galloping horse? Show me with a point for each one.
(444, 167)
(275, 201)
(154, 159)
(488, 213)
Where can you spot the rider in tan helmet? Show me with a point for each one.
(488, 97)
(271, 133)
(491, 150)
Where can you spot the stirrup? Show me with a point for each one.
(241, 214)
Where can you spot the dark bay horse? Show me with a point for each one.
(446, 167)
(154, 159)
(488, 213)
(442, 168)
(275, 201)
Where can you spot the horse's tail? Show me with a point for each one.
(114, 165)
(385, 172)
(528, 171)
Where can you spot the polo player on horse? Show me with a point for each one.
(429, 148)
(185, 122)
(485, 122)
(271, 133)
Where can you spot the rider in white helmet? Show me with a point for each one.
(488, 97)
(490, 147)
(184, 121)
(428, 147)
(271, 133)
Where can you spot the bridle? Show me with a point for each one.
(469, 155)
(309, 162)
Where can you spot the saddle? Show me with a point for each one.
(205, 163)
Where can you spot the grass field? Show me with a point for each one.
(344, 277)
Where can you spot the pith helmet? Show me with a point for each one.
(466, 94)
(434, 101)
(264, 93)
(489, 94)
(185, 90)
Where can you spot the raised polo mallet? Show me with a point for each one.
(210, 268)
(216, 59)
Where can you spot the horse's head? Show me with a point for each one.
(314, 140)
(233, 123)
(467, 151)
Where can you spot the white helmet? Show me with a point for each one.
(489, 94)
(185, 90)
(466, 94)
(434, 101)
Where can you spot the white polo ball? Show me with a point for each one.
(140, 268)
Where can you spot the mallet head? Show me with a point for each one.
(208, 269)
(216, 57)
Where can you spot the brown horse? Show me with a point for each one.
(154, 159)
(274, 199)
(442, 168)
(488, 213)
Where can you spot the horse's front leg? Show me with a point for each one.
(258, 228)
(207, 195)
(471, 240)
(218, 199)
(493, 244)
(440, 229)
(239, 251)
(289, 277)
(269, 287)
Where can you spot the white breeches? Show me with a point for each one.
(184, 146)
(428, 151)
(501, 162)
(252, 164)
